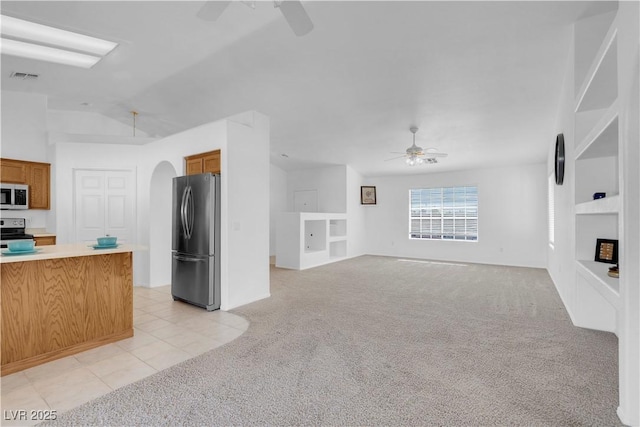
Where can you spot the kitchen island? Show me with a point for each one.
(62, 300)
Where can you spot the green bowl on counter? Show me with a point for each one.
(107, 241)
(20, 245)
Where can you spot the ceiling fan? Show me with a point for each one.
(292, 10)
(417, 155)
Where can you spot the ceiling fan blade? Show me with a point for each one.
(394, 158)
(211, 10)
(431, 152)
(296, 16)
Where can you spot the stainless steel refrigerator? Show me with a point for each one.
(195, 245)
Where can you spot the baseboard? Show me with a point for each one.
(231, 307)
(30, 362)
(567, 308)
(624, 419)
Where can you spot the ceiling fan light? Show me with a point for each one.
(419, 160)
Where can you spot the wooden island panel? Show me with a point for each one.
(53, 308)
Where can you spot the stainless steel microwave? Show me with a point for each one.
(14, 196)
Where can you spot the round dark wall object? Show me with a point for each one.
(559, 159)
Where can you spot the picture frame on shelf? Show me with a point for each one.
(607, 251)
(367, 195)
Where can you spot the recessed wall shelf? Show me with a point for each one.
(606, 205)
(602, 140)
(596, 275)
(600, 87)
(598, 169)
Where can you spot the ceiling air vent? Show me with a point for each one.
(23, 76)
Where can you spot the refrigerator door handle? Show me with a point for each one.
(190, 211)
(183, 212)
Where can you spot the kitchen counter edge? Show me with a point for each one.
(68, 251)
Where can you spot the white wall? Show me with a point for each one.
(330, 182)
(356, 214)
(161, 200)
(88, 123)
(246, 169)
(277, 202)
(512, 211)
(561, 255)
(24, 126)
(24, 137)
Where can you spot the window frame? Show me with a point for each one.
(451, 211)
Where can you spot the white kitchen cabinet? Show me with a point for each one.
(310, 239)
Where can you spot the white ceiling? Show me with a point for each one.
(481, 80)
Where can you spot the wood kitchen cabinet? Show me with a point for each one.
(44, 240)
(13, 171)
(39, 180)
(203, 162)
(56, 307)
(35, 174)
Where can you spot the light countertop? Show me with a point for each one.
(67, 251)
(39, 232)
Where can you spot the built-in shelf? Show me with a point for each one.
(310, 251)
(338, 250)
(597, 168)
(337, 228)
(602, 139)
(606, 205)
(596, 275)
(604, 149)
(310, 239)
(597, 163)
(600, 86)
(590, 228)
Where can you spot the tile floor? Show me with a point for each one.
(166, 332)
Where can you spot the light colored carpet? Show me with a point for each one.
(379, 341)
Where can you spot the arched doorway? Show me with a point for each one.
(160, 224)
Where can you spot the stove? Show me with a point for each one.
(12, 229)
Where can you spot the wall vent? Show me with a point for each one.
(23, 76)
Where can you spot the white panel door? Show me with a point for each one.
(104, 204)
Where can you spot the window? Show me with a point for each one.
(449, 213)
